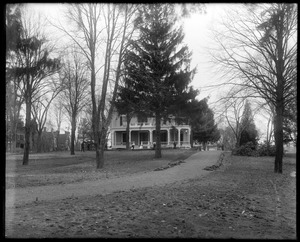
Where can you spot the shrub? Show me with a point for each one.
(266, 150)
(247, 149)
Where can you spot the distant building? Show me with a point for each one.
(47, 140)
(62, 142)
(142, 132)
(20, 138)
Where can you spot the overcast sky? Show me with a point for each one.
(197, 30)
(197, 37)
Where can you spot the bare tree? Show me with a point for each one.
(102, 31)
(233, 113)
(75, 93)
(57, 112)
(13, 106)
(228, 138)
(268, 113)
(233, 116)
(33, 66)
(40, 108)
(85, 125)
(258, 52)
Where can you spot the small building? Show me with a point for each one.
(142, 132)
(20, 138)
(19, 142)
(47, 141)
(63, 142)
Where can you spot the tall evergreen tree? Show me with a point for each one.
(158, 64)
(249, 132)
(127, 103)
(203, 124)
(13, 27)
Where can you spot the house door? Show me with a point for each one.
(143, 136)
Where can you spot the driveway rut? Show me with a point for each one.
(191, 168)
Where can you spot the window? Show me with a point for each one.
(121, 120)
(124, 137)
(142, 119)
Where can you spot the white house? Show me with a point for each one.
(142, 132)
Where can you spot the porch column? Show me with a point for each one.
(129, 137)
(169, 136)
(149, 140)
(189, 137)
(115, 137)
(151, 137)
(112, 138)
(179, 129)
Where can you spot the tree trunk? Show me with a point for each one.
(73, 129)
(127, 131)
(238, 140)
(57, 137)
(27, 133)
(158, 144)
(39, 142)
(13, 139)
(33, 145)
(100, 155)
(101, 140)
(72, 148)
(278, 120)
(278, 130)
(191, 139)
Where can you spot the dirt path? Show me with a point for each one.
(191, 168)
(242, 199)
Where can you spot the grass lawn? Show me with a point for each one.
(243, 199)
(61, 168)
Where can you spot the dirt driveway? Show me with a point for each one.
(191, 168)
(242, 199)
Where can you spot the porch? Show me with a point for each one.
(146, 138)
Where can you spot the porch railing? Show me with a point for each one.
(148, 144)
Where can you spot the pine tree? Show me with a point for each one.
(158, 64)
(249, 132)
(127, 103)
(203, 123)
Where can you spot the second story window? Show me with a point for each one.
(121, 120)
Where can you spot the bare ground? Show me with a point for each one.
(243, 198)
(59, 168)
